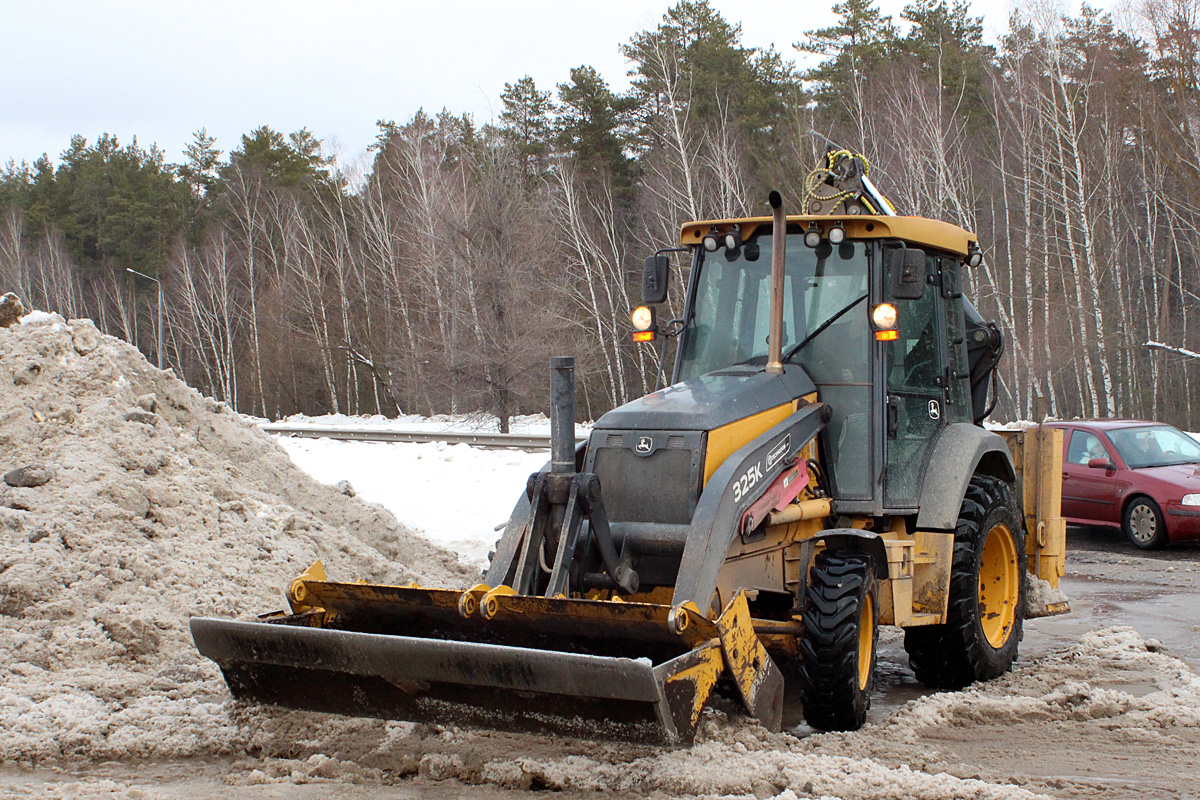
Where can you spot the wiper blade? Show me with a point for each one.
(821, 328)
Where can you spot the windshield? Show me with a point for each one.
(824, 301)
(1154, 446)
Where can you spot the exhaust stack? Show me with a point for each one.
(778, 259)
(562, 414)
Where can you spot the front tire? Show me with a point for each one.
(985, 610)
(1143, 524)
(837, 648)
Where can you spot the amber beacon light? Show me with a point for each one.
(884, 318)
(643, 324)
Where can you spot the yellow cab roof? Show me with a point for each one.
(914, 230)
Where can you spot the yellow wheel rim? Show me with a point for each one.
(999, 585)
(866, 641)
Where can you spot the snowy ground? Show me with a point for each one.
(455, 495)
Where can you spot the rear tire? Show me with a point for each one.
(837, 648)
(986, 606)
(1143, 524)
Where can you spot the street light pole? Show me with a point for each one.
(159, 334)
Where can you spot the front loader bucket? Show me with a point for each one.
(457, 683)
(597, 669)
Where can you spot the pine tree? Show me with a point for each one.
(526, 122)
(592, 124)
(693, 64)
(287, 160)
(117, 207)
(200, 169)
(947, 46)
(852, 48)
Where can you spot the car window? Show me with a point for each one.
(1154, 446)
(1084, 447)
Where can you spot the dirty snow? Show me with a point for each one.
(1039, 595)
(161, 505)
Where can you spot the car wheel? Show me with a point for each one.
(1143, 524)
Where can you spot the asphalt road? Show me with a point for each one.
(1108, 581)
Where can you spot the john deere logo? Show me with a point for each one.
(644, 445)
(935, 410)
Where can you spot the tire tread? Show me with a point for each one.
(828, 672)
(955, 654)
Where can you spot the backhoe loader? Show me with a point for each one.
(815, 469)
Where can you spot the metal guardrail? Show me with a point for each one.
(519, 441)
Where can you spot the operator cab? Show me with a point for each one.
(892, 389)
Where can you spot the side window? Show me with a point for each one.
(914, 359)
(1083, 447)
(958, 388)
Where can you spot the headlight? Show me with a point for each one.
(1191, 500)
(643, 319)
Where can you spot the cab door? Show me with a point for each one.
(925, 372)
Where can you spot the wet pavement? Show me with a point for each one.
(1108, 581)
(1112, 583)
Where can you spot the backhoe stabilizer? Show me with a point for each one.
(599, 669)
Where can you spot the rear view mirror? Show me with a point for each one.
(906, 271)
(1100, 463)
(654, 278)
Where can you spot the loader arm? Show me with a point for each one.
(719, 512)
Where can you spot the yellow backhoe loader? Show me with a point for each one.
(816, 469)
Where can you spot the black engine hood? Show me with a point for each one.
(710, 401)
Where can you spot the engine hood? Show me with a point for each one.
(712, 400)
(1185, 477)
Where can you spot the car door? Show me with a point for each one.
(1091, 494)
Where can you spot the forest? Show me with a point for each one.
(442, 277)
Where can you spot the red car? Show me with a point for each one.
(1142, 476)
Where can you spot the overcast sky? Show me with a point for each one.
(160, 69)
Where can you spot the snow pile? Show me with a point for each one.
(1109, 705)
(734, 760)
(1040, 596)
(1111, 675)
(128, 504)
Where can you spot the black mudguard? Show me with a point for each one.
(962, 451)
(861, 541)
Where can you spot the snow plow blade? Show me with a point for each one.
(596, 669)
